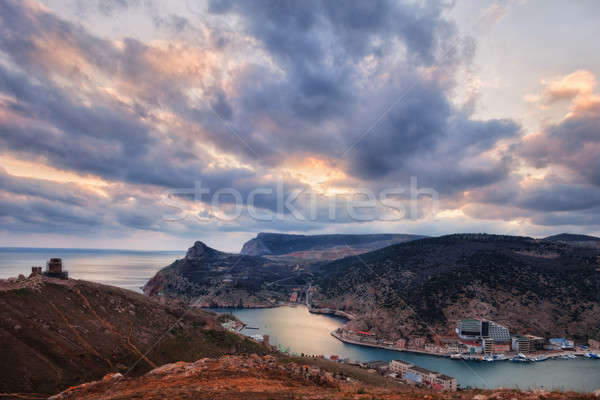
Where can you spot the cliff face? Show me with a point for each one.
(56, 333)
(423, 287)
(213, 278)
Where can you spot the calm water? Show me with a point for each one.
(302, 332)
(123, 268)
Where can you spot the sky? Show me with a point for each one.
(145, 124)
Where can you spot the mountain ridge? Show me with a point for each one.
(277, 244)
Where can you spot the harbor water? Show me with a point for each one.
(298, 331)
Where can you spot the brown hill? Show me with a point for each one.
(57, 333)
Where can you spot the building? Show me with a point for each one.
(488, 346)
(474, 329)
(536, 342)
(401, 343)
(469, 328)
(427, 376)
(495, 331)
(561, 343)
(472, 347)
(433, 348)
(54, 269)
(399, 367)
(36, 271)
(418, 342)
(594, 344)
(413, 376)
(380, 366)
(417, 375)
(521, 344)
(445, 382)
(294, 297)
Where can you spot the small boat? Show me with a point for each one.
(568, 357)
(521, 358)
(456, 356)
(488, 358)
(540, 358)
(592, 355)
(500, 357)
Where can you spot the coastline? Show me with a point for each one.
(443, 355)
(381, 346)
(329, 311)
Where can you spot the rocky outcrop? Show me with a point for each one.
(200, 251)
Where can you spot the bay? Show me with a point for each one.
(298, 331)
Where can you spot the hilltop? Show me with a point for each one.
(320, 247)
(423, 287)
(575, 240)
(262, 378)
(213, 278)
(56, 333)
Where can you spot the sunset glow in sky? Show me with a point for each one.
(108, 108)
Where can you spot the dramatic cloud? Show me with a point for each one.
(321, 97)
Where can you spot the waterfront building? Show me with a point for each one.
(417, 375)
(473, 347)
(399, 366)
(594, 344)
(469, 328)
(562, 343)
(380, 366)
(495, 331)
(453, 348)
(536, 342)
(401, 343)
(433, 348)
(445, 382)
(475, 329)
(488, 346)
(418, 342)
(294, 297)
(521, 344)
(412, 376)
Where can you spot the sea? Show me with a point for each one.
(129, 269)
(295, 330)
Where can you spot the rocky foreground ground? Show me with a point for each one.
(256, 377)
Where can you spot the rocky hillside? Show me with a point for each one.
(423, 287)
(320, 247)
(420, 287)
(254, 377)
(57, 333)
(213, 278)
